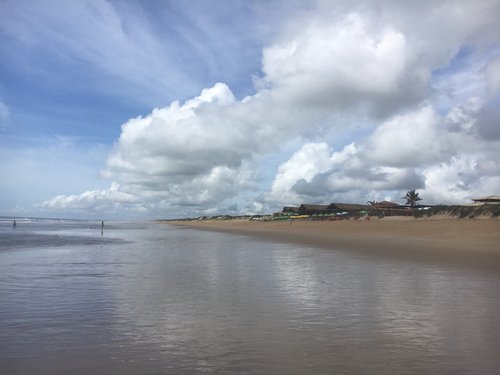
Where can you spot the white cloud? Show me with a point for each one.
(181, 146)
(339, 69)
(111, 199)
(442, 156)
(461, 178)
(463, 117)
(304, 164)
(336, 64)
(413, 139)
(346, 174)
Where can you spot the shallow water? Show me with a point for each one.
(154, 299)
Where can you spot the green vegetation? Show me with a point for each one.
(492, 210)
(412, 198)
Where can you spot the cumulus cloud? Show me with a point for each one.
(306, 163)
(347, 174)
(411, 140)
(462, 177)
(341, 64)
(111, 199)
(441, 155)
(174, 141)
(339, 69)
(189, 153)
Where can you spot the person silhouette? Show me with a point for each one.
(102, 228)
(14, 225)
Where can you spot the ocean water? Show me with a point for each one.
(148, 298)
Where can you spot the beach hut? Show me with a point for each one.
(386, 206)
(313, 209)
(348, 209)
(336, 207)
(490, 199)
(291, 210)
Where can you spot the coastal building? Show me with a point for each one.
(333, 208)
(386, 206)
(314, 209)
(490, 199)
(347, 207)
(350, 209)
(291, 210)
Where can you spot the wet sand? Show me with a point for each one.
(468, 242)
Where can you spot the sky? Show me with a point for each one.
(165, 109)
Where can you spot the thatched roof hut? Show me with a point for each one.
(291, 209)
(386, 205)
(490, 199)
(336, 207)
(313, 209)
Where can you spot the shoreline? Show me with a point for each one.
(465, 242)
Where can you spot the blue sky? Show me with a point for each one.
(133, 109)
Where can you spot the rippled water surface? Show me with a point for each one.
(155, 299)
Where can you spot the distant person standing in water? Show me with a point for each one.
(102, 228)
(14, 225)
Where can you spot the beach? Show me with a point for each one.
(474, 242)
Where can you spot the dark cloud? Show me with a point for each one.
(488, 123)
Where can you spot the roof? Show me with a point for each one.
(385, 204)
(491, 198)
(347, 206)
(316, 207)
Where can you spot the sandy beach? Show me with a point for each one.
(472, 242)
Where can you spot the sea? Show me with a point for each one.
(151, 298)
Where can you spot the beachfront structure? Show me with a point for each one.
(291, 210)
(490, 199)
(314, 209)
(323, 209)
(350, 209)
(386, 206)
(347, 207)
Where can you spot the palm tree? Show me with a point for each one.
(412, 198)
